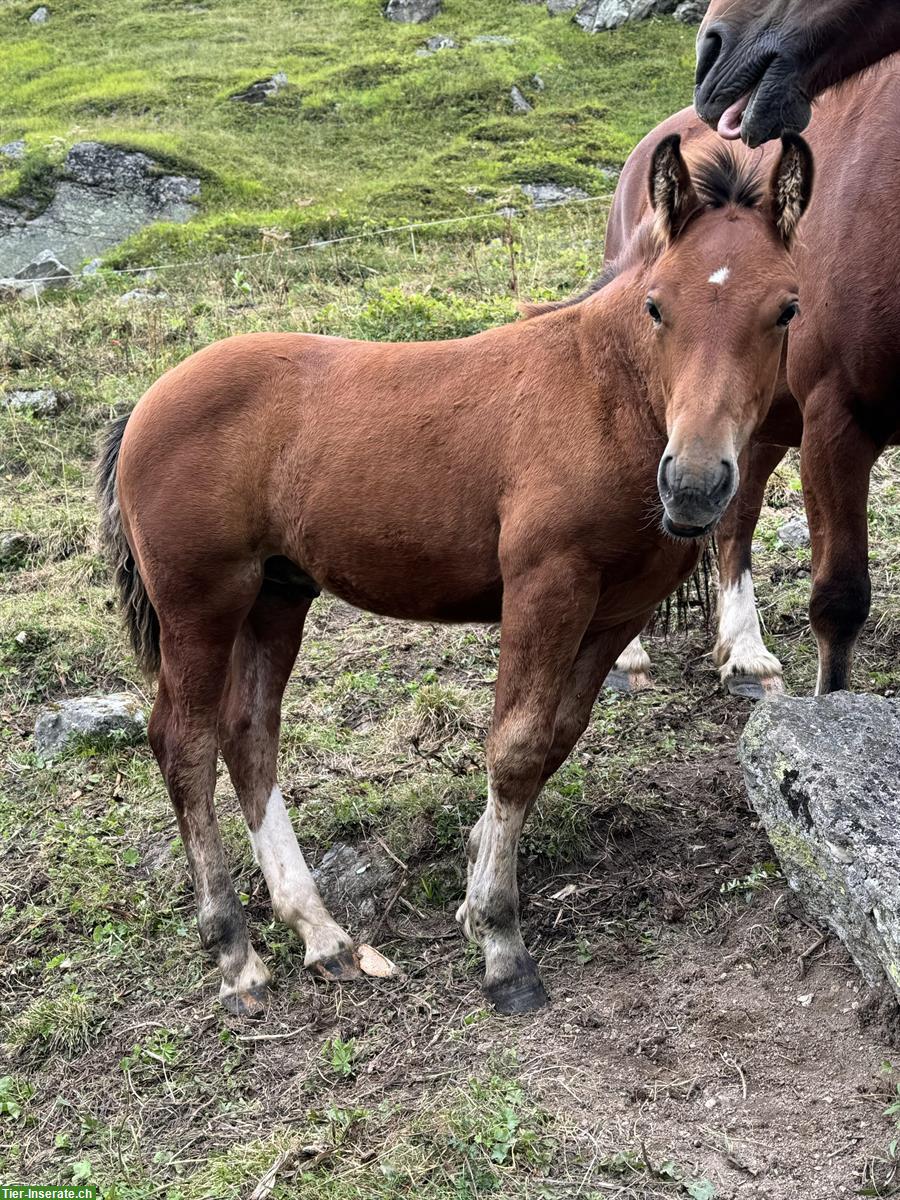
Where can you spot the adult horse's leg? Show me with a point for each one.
(249, 725)
(195, 649)
(836, 462)
(546, 611)
(746, 667)
(631, 672)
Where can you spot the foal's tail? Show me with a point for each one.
(137, 610)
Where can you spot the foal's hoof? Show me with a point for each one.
(627, 682)
(752, 687)
(252, 1002)
(340, 968)
(520, 994)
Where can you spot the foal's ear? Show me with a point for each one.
(792, 185)
(672, 193)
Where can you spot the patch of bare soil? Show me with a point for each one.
(720, 1031)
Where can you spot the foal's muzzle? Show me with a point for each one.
(694, 495)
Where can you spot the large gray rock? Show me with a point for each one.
(104, 195)
(824, 775)
(610, 14)
(412, 12)
(117, 719)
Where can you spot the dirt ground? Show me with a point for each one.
(702, 1033)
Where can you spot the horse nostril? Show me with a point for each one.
(708, 51)
(726, 480)
(665, 484)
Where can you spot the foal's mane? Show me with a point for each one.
(719, 180)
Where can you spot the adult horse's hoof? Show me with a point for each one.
(340, 968)
(252, 1002)
(627, 682)
(520, 994)
(752, 687)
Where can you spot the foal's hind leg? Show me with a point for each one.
(182, 731)
(249, 724)
(746, 666)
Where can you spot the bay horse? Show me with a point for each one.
(761, 63)
(558, 475)
(838, 395)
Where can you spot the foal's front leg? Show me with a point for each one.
(545, 613)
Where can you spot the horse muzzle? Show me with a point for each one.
(694, 495)
(750, 88)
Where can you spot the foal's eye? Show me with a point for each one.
(654, 313)
(792, 310)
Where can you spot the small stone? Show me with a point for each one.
(795, 534)
(353, 881)
(45, 266)
(142, 296)
(117, 719)
(493, 39)
(507, 212)
(518, 101)
(557, 7)
(92, 267)
(412, 12)
(262, 89)
(40, 15)
(547, 195)
(15, 547)
(40, 402)
(436, 43)
(42, 272)
(691, 12)
(537, 82)
(13, 150)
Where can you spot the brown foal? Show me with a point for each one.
(838, 388)
(505, 476)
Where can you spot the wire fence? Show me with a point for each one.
(316, 244)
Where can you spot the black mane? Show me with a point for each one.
(721, 180)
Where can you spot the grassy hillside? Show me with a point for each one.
(665, 934)
(367, 129)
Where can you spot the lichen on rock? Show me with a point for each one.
(822, 773)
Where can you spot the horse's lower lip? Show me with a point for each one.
(686, 533)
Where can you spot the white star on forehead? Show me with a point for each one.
(721, 276)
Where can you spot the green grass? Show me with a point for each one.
(122, 1071)
(368, 132)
